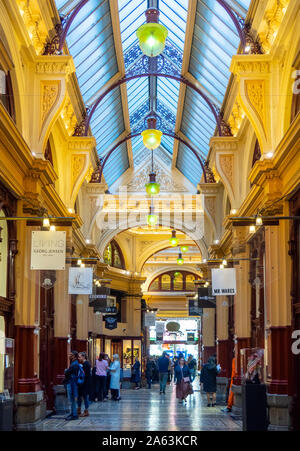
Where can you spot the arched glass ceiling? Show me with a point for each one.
(91, 43)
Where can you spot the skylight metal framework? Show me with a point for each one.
(218, 30)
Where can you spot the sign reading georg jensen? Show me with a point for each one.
(48, 250)
(223, 282)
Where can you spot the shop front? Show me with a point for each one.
(180, 336)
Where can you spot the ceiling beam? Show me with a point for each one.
(115, 18)
(189, 33)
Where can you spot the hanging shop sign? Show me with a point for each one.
(223, 281)
(206, 298)
(106, 306)
(111, 322)
(150, 319)
(194, 308)
(80, 280)
(159, 328)
(190, 336)
(48, 250)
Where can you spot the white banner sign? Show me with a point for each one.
(80, 280)
(48, 250)
(150, 319)
(160, 327)
(223, 282)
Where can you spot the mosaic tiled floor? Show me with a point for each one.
(147, 410)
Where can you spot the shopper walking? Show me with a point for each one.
(192, 364)
(101, 372)
(84, 389)
(150, 368)
(136, 373)
(208, 378)
(108, 375)
(70, 382)
(115, 378)
(163, 366)
(183, 380)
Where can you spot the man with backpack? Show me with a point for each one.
(74, 376)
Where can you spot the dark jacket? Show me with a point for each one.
(136, 373)
(192, 364)
(208, 376)
(163, 364)
(181, 372)
(150, 368)
(71, 373)
(85, 387)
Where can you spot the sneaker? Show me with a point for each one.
(209, 405)
(227, 409)
(213, 404)
(74, 418)
(69, 417)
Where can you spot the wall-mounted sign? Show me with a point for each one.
(190, 336)
(111, 322)
(80, 280)
(150, 319)
(223, 282)
(103, 303)
(48, 250)
(194, 308)
(159, 328)
(206, 299)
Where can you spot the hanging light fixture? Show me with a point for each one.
(180, 260)
(151, 136)
(173, 240)
(46, 222)
(52, 228)
(152, 187)
(224, 262)
(252, 229)
(152, 217)
(152, 35)
(184, 248)
(259, 220)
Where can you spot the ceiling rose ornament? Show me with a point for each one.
(152, 35)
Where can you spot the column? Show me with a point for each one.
(82, 312)
(278, 323)
(208, 334)
(28, 393)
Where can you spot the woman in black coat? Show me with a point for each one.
(208, 378)
(182, 375)
(136, 373)
(150, 369)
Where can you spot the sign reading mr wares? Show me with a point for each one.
(223, 282)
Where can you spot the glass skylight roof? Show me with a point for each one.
(91, 43)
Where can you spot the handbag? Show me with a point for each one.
(186, 379)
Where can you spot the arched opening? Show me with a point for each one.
(174, 281)
(113, 255)
(6, 92)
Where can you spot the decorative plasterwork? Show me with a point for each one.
(236, 117)
(34, 23)
(50, 91)
(226, 164)
(167, 183)
(255, 90)
(271, 23)
(68, 116)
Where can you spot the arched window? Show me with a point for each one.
(6, 92)
(256, 153)
(174, 281)
(113, 256)
(178, 281)
(166, 282)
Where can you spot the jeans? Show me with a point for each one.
(100, 387)
(72, 391)
(163, 378)
(85, 397)
(149, 381)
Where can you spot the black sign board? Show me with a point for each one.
(194, 309)
(111, 322)
(206, 299)
(190, 336)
